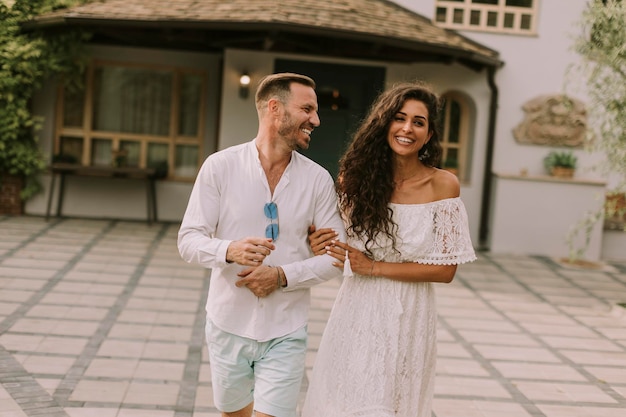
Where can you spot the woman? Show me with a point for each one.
(407, 228)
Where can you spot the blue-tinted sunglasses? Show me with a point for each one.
(271, 212)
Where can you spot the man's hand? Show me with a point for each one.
(319, 239)
(250, 251)
(262, 281)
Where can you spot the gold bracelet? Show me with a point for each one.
(372, 269)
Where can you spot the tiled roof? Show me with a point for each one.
(375, 20)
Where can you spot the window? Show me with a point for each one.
(455, 137)
(129, 115)
(501, 16)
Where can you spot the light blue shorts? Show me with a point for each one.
(268, 373)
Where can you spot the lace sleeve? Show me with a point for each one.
(451, 243)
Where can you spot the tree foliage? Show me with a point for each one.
(601, 45)
(27, 59)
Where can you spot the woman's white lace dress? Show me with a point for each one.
(377, 355)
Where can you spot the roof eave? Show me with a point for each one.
(464, 56)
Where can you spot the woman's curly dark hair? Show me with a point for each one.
(365, 180)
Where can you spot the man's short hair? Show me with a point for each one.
(279, 86)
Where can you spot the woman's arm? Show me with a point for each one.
(319, 239)
(398, 271)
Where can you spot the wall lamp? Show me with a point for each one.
(244, 85)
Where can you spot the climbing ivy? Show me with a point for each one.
(27, 59)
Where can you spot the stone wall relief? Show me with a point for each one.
(553, 120)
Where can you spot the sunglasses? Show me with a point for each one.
(271, 212)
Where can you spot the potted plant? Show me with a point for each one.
(561, 163)
(20, 163)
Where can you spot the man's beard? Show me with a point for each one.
(290, 132)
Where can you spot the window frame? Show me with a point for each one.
(466, 7)
(463, 146)
(89, 135)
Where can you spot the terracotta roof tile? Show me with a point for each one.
(372, 18)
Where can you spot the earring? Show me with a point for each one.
(424, 155)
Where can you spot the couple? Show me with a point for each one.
(405, 227)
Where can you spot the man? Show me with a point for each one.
(262, 265)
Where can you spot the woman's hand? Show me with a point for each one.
(359, 262)
(319, 239)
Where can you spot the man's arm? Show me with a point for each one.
(196, 236)
(318, 269)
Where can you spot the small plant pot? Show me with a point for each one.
(10, 201)
(562, 172)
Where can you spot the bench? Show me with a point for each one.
(63, 170)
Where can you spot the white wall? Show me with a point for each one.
(534, 215)
(238, 119)
(424, 7)
(534, 66)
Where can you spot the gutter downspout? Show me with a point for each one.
(483, 235)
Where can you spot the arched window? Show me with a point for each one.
(455, 138)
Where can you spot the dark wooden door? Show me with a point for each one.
(344, 93)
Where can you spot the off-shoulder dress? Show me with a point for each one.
(378, 352)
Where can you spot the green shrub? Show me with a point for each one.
(27, 59)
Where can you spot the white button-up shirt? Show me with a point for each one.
(226, 204)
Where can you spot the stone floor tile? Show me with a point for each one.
(49, 384)
(530, 354)
(165, 350)
(100, 391)
(452, 350)
(581, 343)
(499, 338)
(461, 367)
(166, 371)
(204, 397)
(610, 374)
(121, 348)
(533, 371)
(124, 315)
(112, 368)
(557, 330)
(444, 407)
(129, 412)
(580, 411)
(153, 394)
(583, 357)
(464, 386)
(91, 412)
(490, 325)
(563, 392)
(62, 345)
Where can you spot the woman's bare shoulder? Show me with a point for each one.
(446, 185)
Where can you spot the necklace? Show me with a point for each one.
(402, 180)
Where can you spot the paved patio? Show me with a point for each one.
(102, 318)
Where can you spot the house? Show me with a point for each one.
(164, 89)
